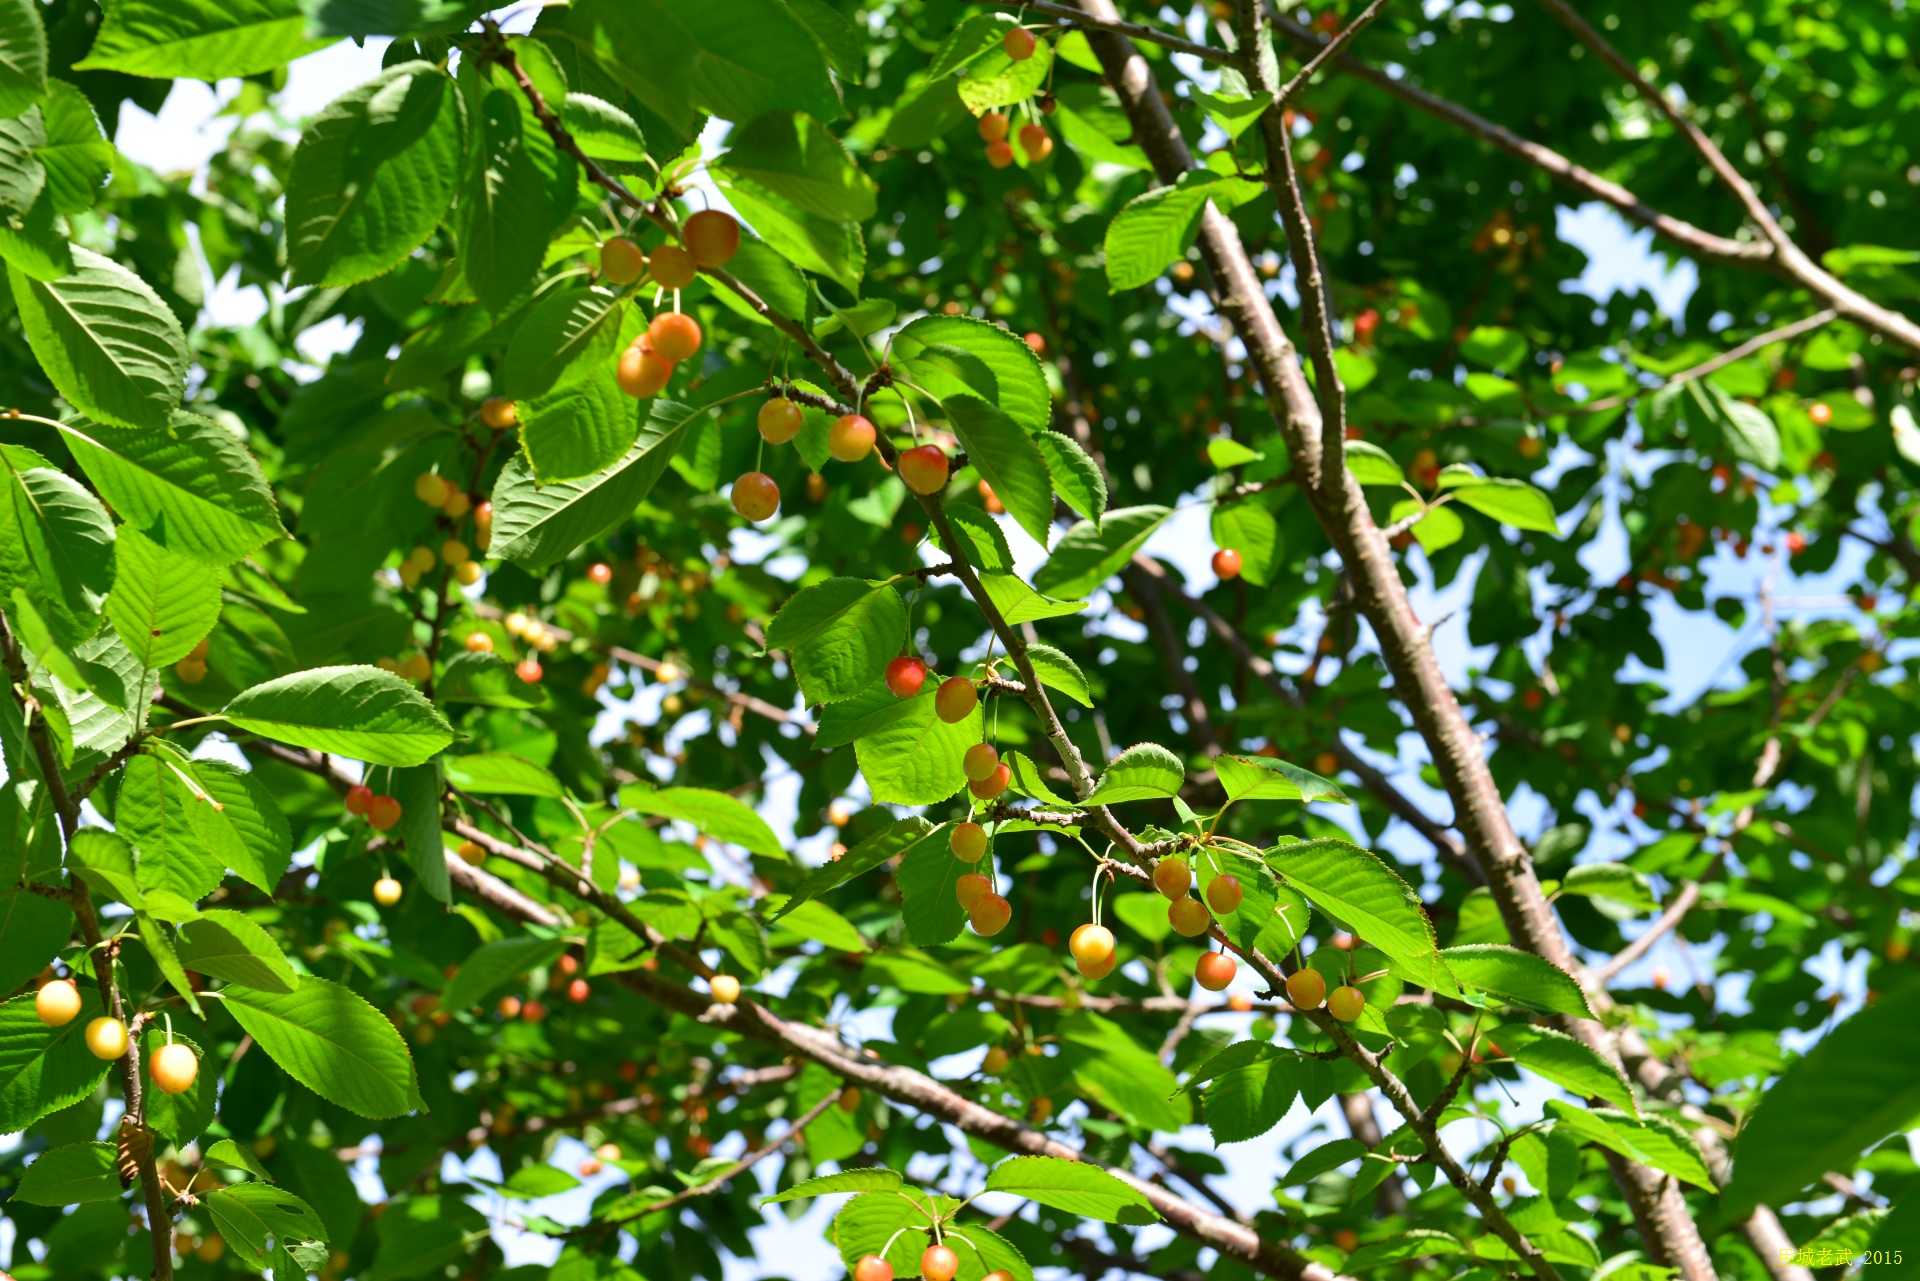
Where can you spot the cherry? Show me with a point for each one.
(468, 574)
(998, 1274)
(173, 1068)
(359, 799)
(590, 1167)
(872, 1268)
(955, 700)
(1098, 969)
(529, 670)
(1223, 896)
(1226, 563)
(1326, 763)
(1424, 468)
(939, 1263)
(578, 991)
(850, 438)
(499, 413)
(1172, 877)
(57, 1003)
(925, 469)
(906, 676)
(1364, 326)
(1215, 971)
(992, 500)
(600, 572)
(970, 888)
(1821, 413)
(849, 1101)
(509, 1007)
(990, 914)
(191, 670)
(386, 891)
(712, 237)
(642, 372)
(430, 489)
(1000, 154)
(211, 1248)
(471, 854)
(1346, 1003)
(725, 988)
(621, 261)
(968, 841)
(980, 761)
(996, 1061)
(455, 552)
(568, 965)
(1306, 989)
(1091, 944)
(1036, 142)
(533, 1012)
(608, 1151)
(673, 267)
(993, 784)
(780, 421)
(756, 496)
(383, 813)
(1530, 447)
(1189, 917)
(675, 335)
(107, 1038)
(1018, 43)
(994, 126)
(1240, 1002)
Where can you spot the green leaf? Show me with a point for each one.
(1076, 477)
(1249, 1099)
(22, 176)
(199, 39)
(106, 860)
(1415, 1243)
(362, 712)
(840, 635)
(488, 680)
(372, 176)
(1057, 671)
(834, 249)
(1567, 1062)
(568, 335)
(33, 929)
(982, 542)
(192, 488)
(492, 966)
(44, 1069)
(230, 1155)
(1511, 502)
(32, 244)
(536, 526)
(976, 34)
(908, 755)
(249, 1215)
(1144, 772)
(1651, 1140)
(995, 80)
(735, 59)
(418, 791)
(1328, 1156)
(1019, 603)
(1235, 113)
(248, 831)
(331, 1041)
(531, 1182)
(56, 548)
(155, 813)
(1259, 895)
(926, 877)
(1853, 1088)
(1261, 778)
(23, 56)
(1155, 230)
(1515, 976)
(862, 1180)
(723, 817)
(71, 1175)
(1436, 527)
(1251, 530)
(1000, 449)
(1025, 777)
(1022, 388)
(419, 1237)
(794, 156)
(502, 774)
(1495, 348)
(1087, 556)
(505, 216)
(163, 603)
(1115, 1071)
(229, 945)
(1368, 897)
(815, 920)
(1372, 465)
(1073, 1186)
(106, 341)
(77, 156)
(578, 429)
(604, 131)
(1614, 882)
(888, 843)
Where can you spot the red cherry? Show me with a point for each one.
(1018, 43)
(990, 914)
(675, 335)
(905, 676)
(1036, 142)
(1189, 917)
(780, 421)
(994, 126)
(383, 812)
(993, 784)
(872, 1268)
(756, 496)
(673, 267)
(359, 799)
(955, 699)
(712, 237)
(1226, 563)
(1215, 971)
(529, 670)
(1821, 413)
(578, 991)
(600, 572)
(1000, 154)
(925, 469)
(850, 438)
(1172, 877)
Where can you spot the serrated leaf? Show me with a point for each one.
(248, 831)
(577, 430)
(502, 774)
(1076, 477)
(1057, 671)
(77, 156)
(723, 817)
(1567, 1062)
(1372, 465)
(1328, 1156)
(23, 56)
(1511, 502)
(492, 966)
(199, 39)
(1651, 1140)
(995, 80)
(984, 545)
(1145, 771)
(1155, 230)
(1087, 557)
(863, 1180)
(1022, 388)
(333, 1042)
(362, 712)
(505, 215)
(71, 1175)
(1368, 897)
(1115, 1071)
(1415, 1243)
(56, 549)
(163, 603)
(250, 1215)
(1261, 778)
(1516, 976)
(566, 337)
(154, 811)
(1249, 1099)
(926, 877)
(33, 929)
(1002, 451)
(1019, 603)
(44, 1069)
(230, 945)
(1073, 1186)
(230, 1155)
(794, 156)
(840, 634)
(907, 754)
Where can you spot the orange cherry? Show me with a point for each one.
(756, 496)
(1215, 971)
(675, 335)
(851, 438)
(712, 237)
(780, 421)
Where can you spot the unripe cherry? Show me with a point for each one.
(359, 799)
(756, 496)
(383, 813)
(457, 504)
(642, 372)
(906, 676)
(621, 261)
(430, 489)
(173, 1068)
(712, 237)
(724, 988)
(672, 267)
(471, 854)
(1000, 154)
(925, 469)
(994, 126)
(499, 413)
(675, 335)
(1306, 989)
(1223, 896)
(996, 1061)
(107, 1038)
(57, 1003)
(992, 785)
(1172, 877)
(969, 888)
(968, 841)
(990, 914)
(955, 700)
(1091, 944)
(1036, 142)
(1018, 43)
(1346, 1003)
(1226, 563)
(850, 438)
(1215, 971)
(780, 420)
(979, 762)
(872, 1268)
(191, 670)
(386, 891)
(1189, 917)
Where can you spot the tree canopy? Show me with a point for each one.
(700, 698)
